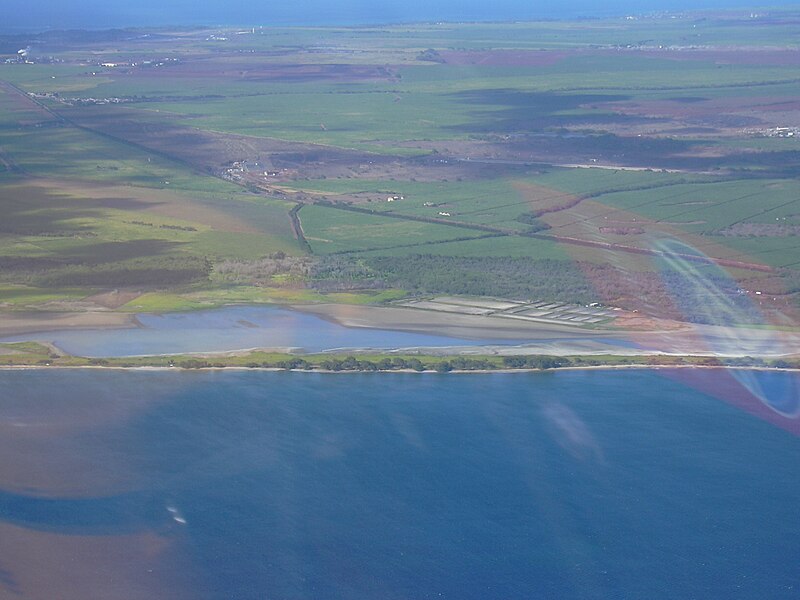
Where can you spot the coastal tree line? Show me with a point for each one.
(459, 363)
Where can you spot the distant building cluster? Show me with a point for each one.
(537, 311)
(775, 132)
(77, 101)
(24, 57)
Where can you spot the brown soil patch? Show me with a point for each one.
(622, 230)
(584, 220)
(642, 294)
(723, 116)
(731, 56)
(637, 322)
(582, 225)
(114, 298)
(543, 200)
(187, 209)
(702, 108)
(160, 202)
(16, 323)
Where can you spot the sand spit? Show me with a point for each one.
(564, 340)
(463, 326)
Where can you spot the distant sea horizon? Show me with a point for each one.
(43, 15)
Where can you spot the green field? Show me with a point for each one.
(593, 143)
(329, 230)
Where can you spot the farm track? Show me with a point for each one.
(424, 244)
(391, 215)
(297, 228)
(67, 121)
(10, 87)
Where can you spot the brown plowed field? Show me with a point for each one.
(733, 56)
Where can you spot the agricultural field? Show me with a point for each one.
(172, 169)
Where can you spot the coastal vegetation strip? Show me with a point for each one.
(33, 354)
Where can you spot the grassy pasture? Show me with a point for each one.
(210, 297)
(692, 208)
(421, 102)
(440, 101)
(487, 202)
(713, 205)
(503, 246)
(78, 207)
(499, 202)
(73, 200)
(331, 230)
(53, 236)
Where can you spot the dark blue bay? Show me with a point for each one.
(302, 485)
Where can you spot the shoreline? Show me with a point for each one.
(502, 370)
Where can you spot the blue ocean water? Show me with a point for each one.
(99, 14)
(286, 485)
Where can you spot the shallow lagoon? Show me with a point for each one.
(238, 328)
(303, 485)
